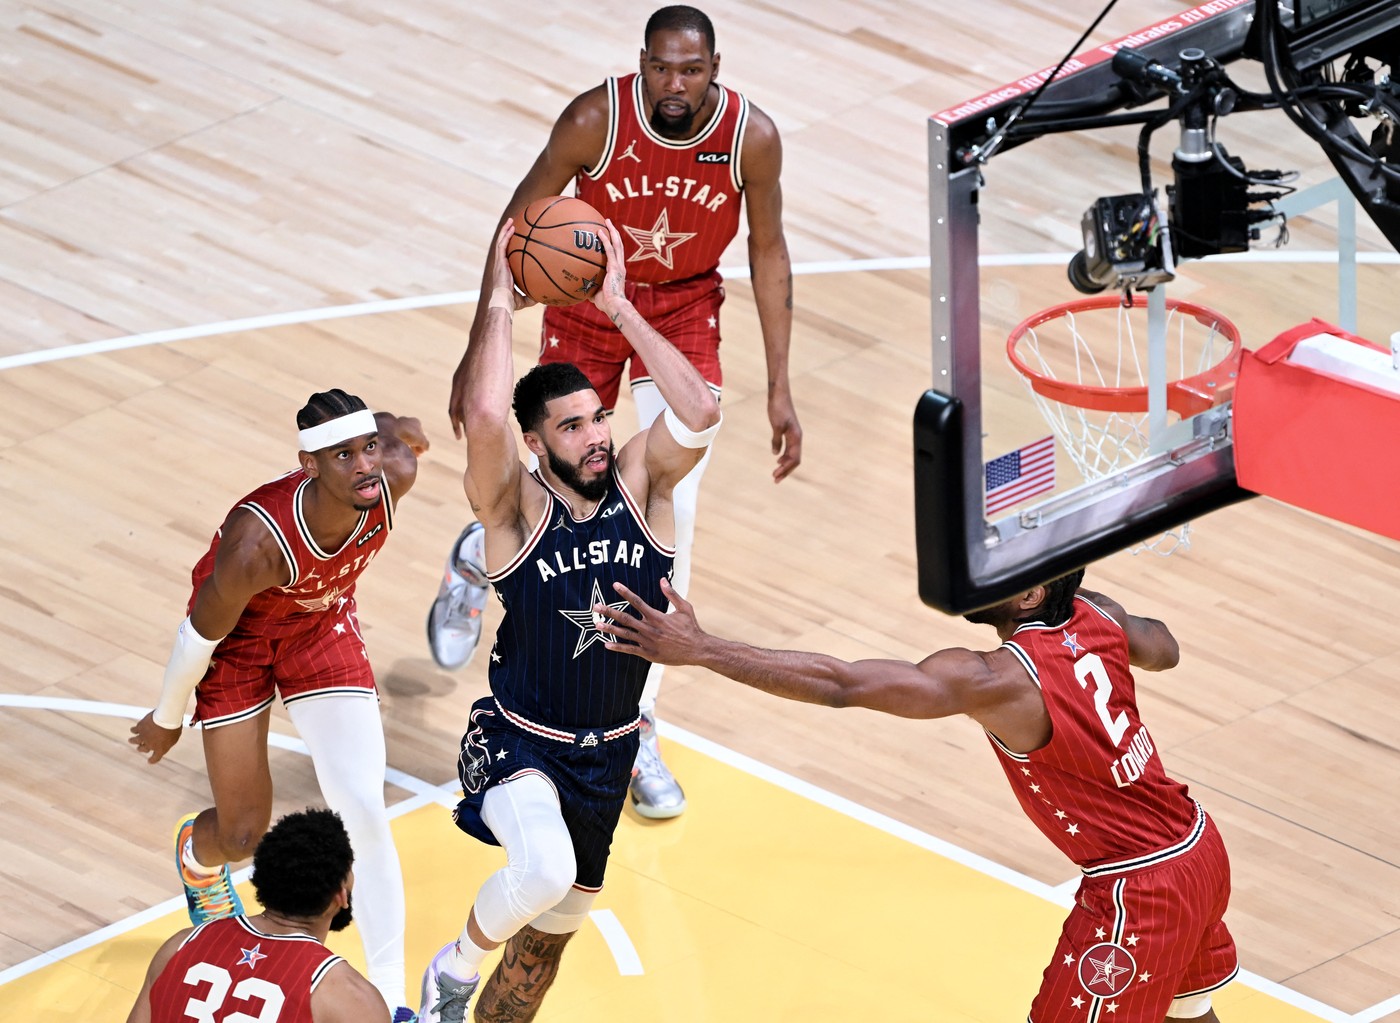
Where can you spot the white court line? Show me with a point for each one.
(736, 273)
(889, 825)
(623, 951)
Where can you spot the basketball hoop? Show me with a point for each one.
(1085, 363)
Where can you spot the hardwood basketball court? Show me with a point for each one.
(171, 167)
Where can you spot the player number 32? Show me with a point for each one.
(206, 1009)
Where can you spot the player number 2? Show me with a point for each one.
(1091, 666)
(206, 1009)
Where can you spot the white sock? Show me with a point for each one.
(193, 866)
(467, 957)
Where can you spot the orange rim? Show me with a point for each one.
(1186, 397)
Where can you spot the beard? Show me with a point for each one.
(342, 918)
(986, 616)
(572, 475)
(673, 127)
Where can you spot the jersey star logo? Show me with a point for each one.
(1071, 641)
(251, 956)
(658, 243)
(591, 625)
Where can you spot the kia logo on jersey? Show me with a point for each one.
(711, 157)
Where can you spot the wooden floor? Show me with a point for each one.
(166, 165)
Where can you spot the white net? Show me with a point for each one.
(1100, 350)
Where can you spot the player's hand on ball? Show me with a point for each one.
(502, 283)
(611, 296)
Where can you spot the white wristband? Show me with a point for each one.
(502, 299)
(686, 437)
(189, 660)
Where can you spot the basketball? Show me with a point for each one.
(556, 255)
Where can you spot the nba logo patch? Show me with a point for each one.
(1106, 970)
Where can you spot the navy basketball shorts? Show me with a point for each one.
(591, 777)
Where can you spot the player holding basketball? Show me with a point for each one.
(275, 963)
(1146, 939)
(547, 757)
(667, 154)
(273, 612)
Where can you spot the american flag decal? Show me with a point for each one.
(1020, 474)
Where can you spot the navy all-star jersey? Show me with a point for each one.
(549, 663)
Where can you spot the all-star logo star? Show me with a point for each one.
(658, 243)
(323, 602)
(251, 956)
(1106, 970)
(591, 625)
(1071, 641)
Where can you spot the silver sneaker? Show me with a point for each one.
(454, 622)
(655, 792)
(445, 998)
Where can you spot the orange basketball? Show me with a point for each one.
(556, 255)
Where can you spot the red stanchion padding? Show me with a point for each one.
(1325, 435)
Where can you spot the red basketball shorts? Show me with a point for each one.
(1137, 942)
(325, 657)
(684, 312)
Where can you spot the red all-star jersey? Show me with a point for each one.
(676, 204)
(320, 580)
(228, 968)
(1097, 789)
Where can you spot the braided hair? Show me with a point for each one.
(323, 406)
(1058, 606)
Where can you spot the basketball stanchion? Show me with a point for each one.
(1086, 364)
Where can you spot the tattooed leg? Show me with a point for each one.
(529, 963)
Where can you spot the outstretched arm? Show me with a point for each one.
(493, 460)
(945, 683)
(575, 142)
(688, 398)
(771, 271)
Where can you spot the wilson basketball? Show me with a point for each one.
(556, 255)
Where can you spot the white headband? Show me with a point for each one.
(337, 431)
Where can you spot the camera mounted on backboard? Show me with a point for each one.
(1128, 244)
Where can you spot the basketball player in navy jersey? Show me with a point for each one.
(547, 757)
(1146, 939)
(669, 154)
(274, 965)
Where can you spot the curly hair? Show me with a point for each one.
(301, 863)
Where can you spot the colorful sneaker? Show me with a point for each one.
(208, 898)
(655, 792)
(445, 998)
(454, 621)
(403, 1014)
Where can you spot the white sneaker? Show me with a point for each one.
(655, 792)
(454, 621)
(445, 998)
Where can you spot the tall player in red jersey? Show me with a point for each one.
(273, 966)
(273, 613)
(1146, 939)
(668, 154)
